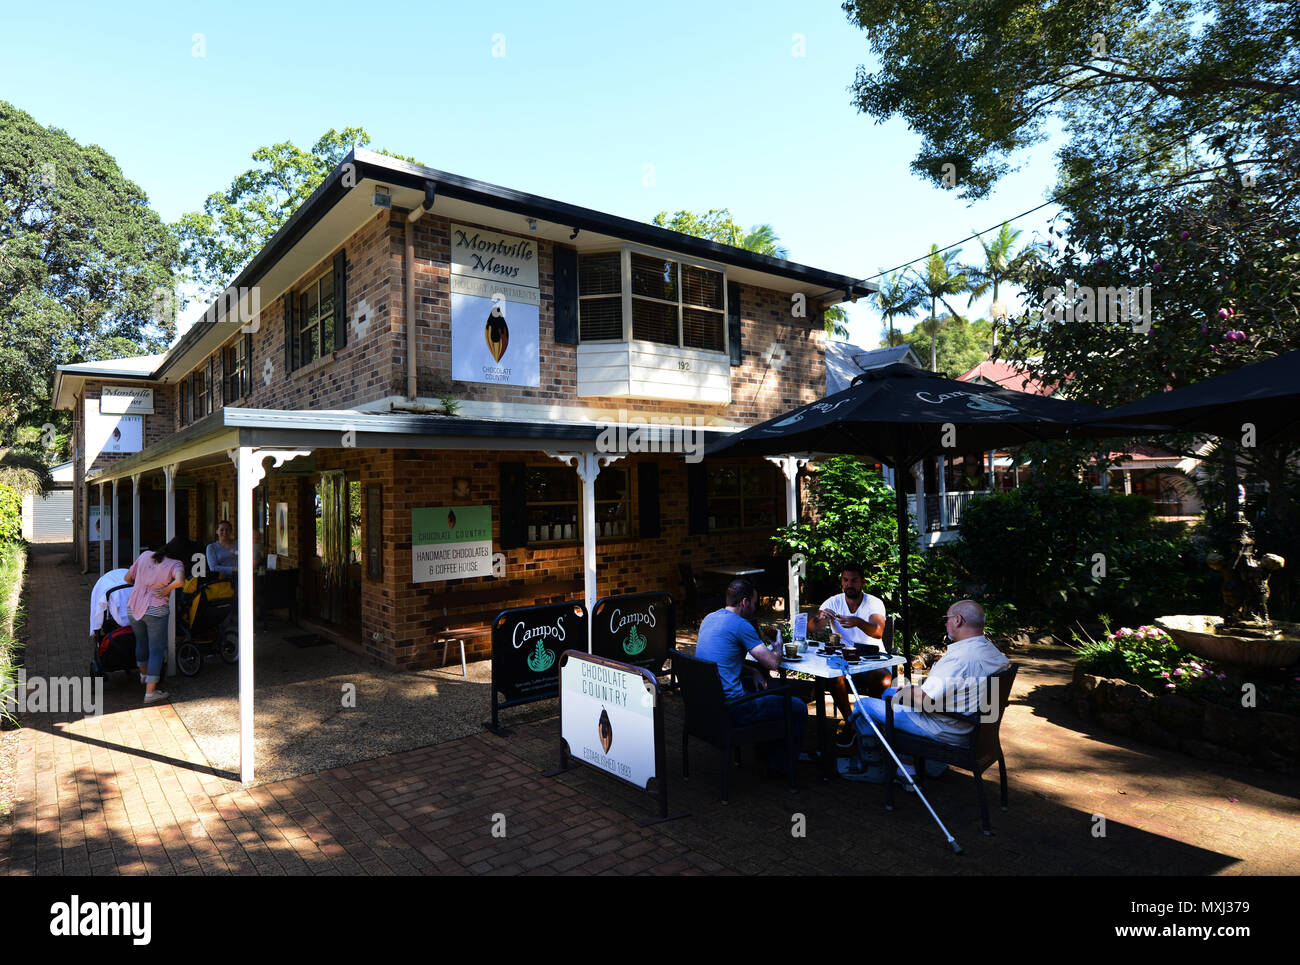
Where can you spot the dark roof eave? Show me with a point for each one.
(383, 168)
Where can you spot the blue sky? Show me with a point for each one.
(578, 100)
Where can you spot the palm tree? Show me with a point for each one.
(898, 296)
(1000, 265)
(940, 277)
(762, 239)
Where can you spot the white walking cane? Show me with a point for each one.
(901, 769)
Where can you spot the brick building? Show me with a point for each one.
(413, 340)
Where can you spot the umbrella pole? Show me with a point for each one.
(900, 498)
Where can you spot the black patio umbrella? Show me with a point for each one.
(1265, 394)
(898, 415)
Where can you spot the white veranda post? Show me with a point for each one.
(790, 466)
(100, 529)
(135, 517)
(250, 468)
(588, 466)
(116, 541)
(169, 473)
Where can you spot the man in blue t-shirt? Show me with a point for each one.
(726, 636)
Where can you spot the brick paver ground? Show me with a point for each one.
(130, 793)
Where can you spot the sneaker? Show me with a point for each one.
(157, 697)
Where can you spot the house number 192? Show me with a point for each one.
(683, 366)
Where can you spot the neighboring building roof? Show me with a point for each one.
(1008, 377)
(139, 366)
(845, 361)
(63, 472)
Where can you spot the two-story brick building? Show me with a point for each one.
(412, 340)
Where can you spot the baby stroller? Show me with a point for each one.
(113, 642)
(205, 606)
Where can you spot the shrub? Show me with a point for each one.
(856, 522)
(11, 515)
(1063, 548)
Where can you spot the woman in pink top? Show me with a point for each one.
(153, 577)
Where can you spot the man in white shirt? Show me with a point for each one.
(859, 619)
(952, 686)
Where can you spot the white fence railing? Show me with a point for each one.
(951, 503)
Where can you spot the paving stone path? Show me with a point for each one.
(130, 792)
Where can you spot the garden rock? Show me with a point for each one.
(1281, 732)
(1180, 714)
(1229, 728)
(1149, 730)
(1120, 723)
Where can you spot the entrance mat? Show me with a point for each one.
(302, 641)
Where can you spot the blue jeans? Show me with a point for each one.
(150, 644)
(772, 707)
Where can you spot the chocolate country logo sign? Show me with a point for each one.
(541, 659)
(605, 730)
(497, 333)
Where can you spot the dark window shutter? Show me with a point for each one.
(194, 399)
(246, 377)
(340, 301)
(566, 294)
(212, 383)
(733, 321)
(697, 498)
(227, 386)
(514, 506)
(289, 338)
(647, 479)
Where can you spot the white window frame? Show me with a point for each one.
(625, 265)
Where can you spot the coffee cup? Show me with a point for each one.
(791, 650)
(851, 654)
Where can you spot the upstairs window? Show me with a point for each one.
(238, 382)
(316, 320)
(200, 395)
(631, 295)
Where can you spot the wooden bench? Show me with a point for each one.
(459, 627)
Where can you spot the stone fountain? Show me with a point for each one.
(1244, 635)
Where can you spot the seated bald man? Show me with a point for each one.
(952, 686)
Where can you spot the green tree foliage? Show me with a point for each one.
(237, 223)
(1037, 548)
(958, 345)
(940, 278)
(83, 262)
(718, 225)
(898, 296)
(980, 80)
(856, 522)
(1002, 265)
(11, 514)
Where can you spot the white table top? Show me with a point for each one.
(814, 664)
(735, 570)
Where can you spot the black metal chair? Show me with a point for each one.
(708, 717)
(976, 754)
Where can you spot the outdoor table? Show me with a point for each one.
(814, 664)
(735, 572)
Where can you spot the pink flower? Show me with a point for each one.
(1156, 266)
(1185, 235)
(1223, 313)
(1164, 673)
(1169, 686)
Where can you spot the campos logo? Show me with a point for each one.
(76, 918)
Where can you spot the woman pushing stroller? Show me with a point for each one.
(153, 577)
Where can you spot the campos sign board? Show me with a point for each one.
(607, 716)
(526, 643)
(639, 629)
(495, 302)
(125, 400)
(450, 543)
